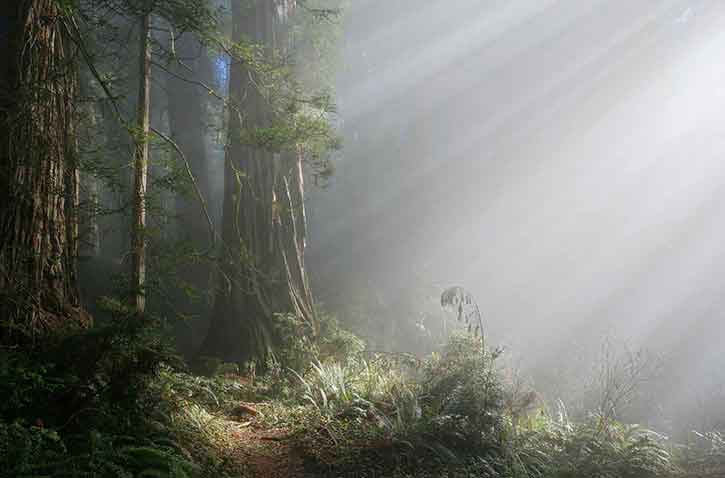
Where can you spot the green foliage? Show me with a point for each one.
(379, 414)
(24, 449)
(331, 386)
(385, 415)
(302, 126)
(67, 6)
(209, 392)
(22, 380)
(155, 462)
(37, 451)
(300, 346)
(597, 447)
(448, 418)
(463, 387)
(91, 405)
(114, 363)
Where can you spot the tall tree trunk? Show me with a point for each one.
(187, 114)
(38, 171)
(141, 165)
(263, 224)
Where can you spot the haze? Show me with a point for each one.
(561, 160)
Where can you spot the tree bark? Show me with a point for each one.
(141, 164)
(263, 218)
(38, 172)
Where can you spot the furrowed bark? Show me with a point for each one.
(39, 190)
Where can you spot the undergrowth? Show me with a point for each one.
(116, 402)
(97, 404)
(449, 416)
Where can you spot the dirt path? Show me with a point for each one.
(267, 454)
(264, 452)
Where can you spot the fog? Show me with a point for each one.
(561, 160)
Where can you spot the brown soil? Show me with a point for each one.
(265, 453)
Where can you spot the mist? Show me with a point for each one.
(344, 238)
(561, 160)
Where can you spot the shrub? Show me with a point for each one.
(462, 386)
(25, 450)
(60, 397)
(597, 448)
(299, 346)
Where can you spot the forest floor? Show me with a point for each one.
(265, 452)
(361, 417)
(114, 403)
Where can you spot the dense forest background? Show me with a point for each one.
(360, 238)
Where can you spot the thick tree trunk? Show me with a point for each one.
(38, 171)
(263, 224)
(141, 165)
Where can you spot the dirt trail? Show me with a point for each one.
(267, 454)
(264, 452)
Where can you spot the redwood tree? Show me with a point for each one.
(263, 232)
(38, 171)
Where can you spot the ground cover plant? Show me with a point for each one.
(116, 402)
